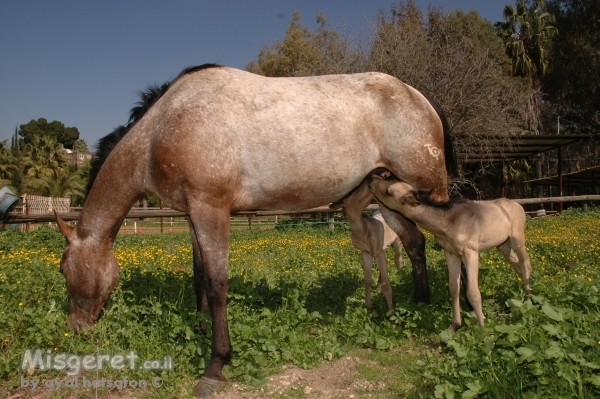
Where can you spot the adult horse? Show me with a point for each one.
(217, 140)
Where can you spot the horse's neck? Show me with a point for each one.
(115, 190)
(431, 218)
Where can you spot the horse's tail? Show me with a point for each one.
(147, 98)
(449, 154)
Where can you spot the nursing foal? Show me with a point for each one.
(463, 229)
(371, 235)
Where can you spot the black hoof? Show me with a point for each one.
(206, 387)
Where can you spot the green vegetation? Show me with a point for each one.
(297, 297)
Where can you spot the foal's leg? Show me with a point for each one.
(211, 232)
(454, 263)
(397, 253)
(384, 279)
(368, 276)
(514, 252)
(471, 261)
(414, 245)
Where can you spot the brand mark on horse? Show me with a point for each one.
(434, 151)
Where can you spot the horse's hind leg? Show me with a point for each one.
(515, 253)
(201, 301)
(211, 232)
(414, 245)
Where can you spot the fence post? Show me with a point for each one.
(161, 218)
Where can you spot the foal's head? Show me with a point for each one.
(394, 194)
(91, 271)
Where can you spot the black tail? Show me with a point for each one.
(147, 98)
(449, 155)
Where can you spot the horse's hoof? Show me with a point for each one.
(206, 387)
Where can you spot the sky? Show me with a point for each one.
(82, 62)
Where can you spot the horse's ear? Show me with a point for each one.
(65, 229)
(422, 196)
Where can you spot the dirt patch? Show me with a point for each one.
(336, 379)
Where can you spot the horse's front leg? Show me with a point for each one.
(454, 263)
(210, 227)
(471, 261)
(414, 245)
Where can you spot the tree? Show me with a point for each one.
(61, 183)
(45, 157)
(62, 134)
(306, 53)
(527, 33)
(458, 60)
(80, 145)
(6, 164)
(573, 84)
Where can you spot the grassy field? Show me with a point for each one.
(297, 297)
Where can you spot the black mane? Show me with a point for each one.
(449, 154)
(148, 98)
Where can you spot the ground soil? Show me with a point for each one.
(330, 380)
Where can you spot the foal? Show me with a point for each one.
(463, 229)
(371, 235)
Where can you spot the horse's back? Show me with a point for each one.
(292, 143)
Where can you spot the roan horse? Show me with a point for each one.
(217, 140)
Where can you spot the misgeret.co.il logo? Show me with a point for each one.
(47, 360)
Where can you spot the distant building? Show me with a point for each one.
(77, 157)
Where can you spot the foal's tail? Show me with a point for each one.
(449, 155)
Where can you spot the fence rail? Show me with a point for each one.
(176, 220)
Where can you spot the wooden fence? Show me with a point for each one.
(31, 205)
(168, 220)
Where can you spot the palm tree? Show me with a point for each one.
(527, 33)
(46, 157)
(61, 183)
(7, 161)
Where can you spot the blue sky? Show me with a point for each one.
(81, 62)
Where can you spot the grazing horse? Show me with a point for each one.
(464, 229)
(218, 140)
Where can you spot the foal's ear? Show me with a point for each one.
(65, 229)
(423, 196)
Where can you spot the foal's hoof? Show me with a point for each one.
(207, 386)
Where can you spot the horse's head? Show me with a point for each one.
(91, 271)
(394, 194)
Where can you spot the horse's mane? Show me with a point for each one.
(449, 155)
(148, 98)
